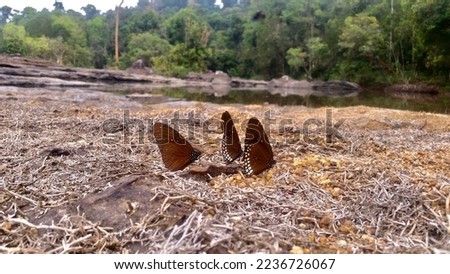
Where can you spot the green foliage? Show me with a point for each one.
(308, 59)
(74, 38)
(38, 24)
(142, 4)
(144, 46)
(432, 23)
(225, 40)
(296, 58)
(142, 21)
(59, 49)
(25, 15)
(39, 47)
(178, 24)
(364, 49)
(90, 11)
(191, 37)
(367, 41)
(97, 40)
(317, 49)
(59, 6)
(181, 60)
(265, 44)
(224, 55)
(14, 39)
(361, 36)
(5, 14)
(170, 4)
(361, 72)
(228, 3)
(79, 56)
(69, 29)
(207, 3)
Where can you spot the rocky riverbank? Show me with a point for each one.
(26, 72)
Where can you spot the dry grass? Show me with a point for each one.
(384, 187)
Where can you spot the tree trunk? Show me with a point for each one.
(116, 40)
(311, 54)
(391, 43)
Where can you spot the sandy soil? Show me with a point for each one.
(80, 173)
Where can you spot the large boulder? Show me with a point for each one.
(333, 85)
(237, 82)
(287, 82)
(286, 85)
(218, 77)
(412, 88)
(139, 68)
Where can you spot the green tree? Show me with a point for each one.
(432, 32)
(209, 4)
(226, 40)
(367, 41)
(229, 3)
(39, 24)
(170, 4)
(181, 60)
(59, 49)
(191, 36)
(177, 25)
(58, 6)
(307, 59)
(265, 42)
(90, 11)
(317, 51)
(296, 58)
(39, 47)
(14, 39)
(191, 52)
(98, 39)
(142, 21)
(74, 14)
(22, 17)
(363, 45)
(144, 46)
(361, 36)
(5, 14)
(69, 29)
(74, 36)
(142, 4)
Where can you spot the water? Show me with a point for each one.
(373, 98)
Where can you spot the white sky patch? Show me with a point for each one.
(101, 5)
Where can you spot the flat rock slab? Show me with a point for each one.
(26, 72)
(131, 199)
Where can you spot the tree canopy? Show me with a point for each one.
(369, 42)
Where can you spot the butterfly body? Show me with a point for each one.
(231, 146)
(258, 154)
(177, 153)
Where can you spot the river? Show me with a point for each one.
(374, 98)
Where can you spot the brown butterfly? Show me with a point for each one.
(231, 146)
(258, 154)
(177, 153)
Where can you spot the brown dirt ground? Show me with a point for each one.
(70, 182)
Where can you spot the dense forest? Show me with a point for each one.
(371, 42)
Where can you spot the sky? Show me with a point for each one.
(102, 5)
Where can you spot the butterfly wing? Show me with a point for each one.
(231, 146)
(177, 153)
(258, 154)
